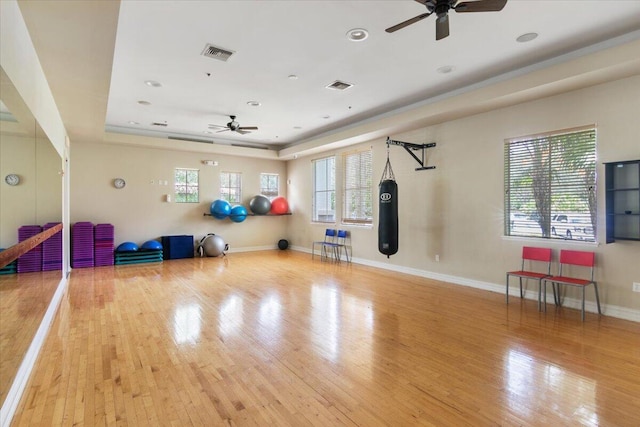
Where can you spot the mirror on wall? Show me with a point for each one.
(30, 194)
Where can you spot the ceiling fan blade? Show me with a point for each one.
(422, 1)
(407, 22)
(223, 130)
(216, 126)
(480, 6)
(248, 128)
(442, 27)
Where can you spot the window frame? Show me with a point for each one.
(358, 188)
(230, 189)
(183, 196)
(329, 188)
(268, 190)
(550, 185)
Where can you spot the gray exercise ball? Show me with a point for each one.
(260, 205)
(213, 245)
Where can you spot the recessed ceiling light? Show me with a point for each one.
(293, 77)
(144, 103)
(131, 122)
(253, 103)
(526, 37)
(207, 131)
(153, 83)
(445, 69)
(326, 117)
(297, 127)
(357, 34)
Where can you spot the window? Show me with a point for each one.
(324, 190)
(269, 185)
(357, 206)
(231, 187)
(186, 185)
(550, 183)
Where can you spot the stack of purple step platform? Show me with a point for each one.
(52, 249)
(103, 241)
(32, 260)
(82, 245)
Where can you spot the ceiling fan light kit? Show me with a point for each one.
(442, 7)
(234, 127)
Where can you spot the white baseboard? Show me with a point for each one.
(28, 362)
(590, 306)
(251, 249)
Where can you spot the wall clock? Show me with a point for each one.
(119, 183)
(12, 179)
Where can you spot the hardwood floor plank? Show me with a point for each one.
(24, 299)
(274, 338)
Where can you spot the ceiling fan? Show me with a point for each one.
(234, 127)
(441, 9)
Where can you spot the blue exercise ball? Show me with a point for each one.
(152, 245)
(238, 213)
(260, 205)
(127, 247)
(220, 209)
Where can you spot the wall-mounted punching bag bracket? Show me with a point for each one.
(410, 147)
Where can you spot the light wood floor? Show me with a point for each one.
(274, 338)
(24, 299)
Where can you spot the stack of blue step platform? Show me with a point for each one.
(138, 257)
(11, 268)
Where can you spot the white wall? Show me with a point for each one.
(139, 211)
(456, 210)
(37, 199)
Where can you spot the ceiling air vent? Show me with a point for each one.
(163, 124)
(179, 138)
(215, 52)
(259, 147)
(338, 85)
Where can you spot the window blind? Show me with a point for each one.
(550, 185)
(358, 191)
(324, 190)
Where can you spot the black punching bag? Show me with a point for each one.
(388, 212)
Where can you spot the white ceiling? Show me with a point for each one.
(100, 55)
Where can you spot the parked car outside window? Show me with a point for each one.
(572, 226)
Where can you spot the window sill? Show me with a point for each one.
(355, 225)
(541, 240)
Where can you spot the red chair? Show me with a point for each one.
(531, 254)
(574, 258)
